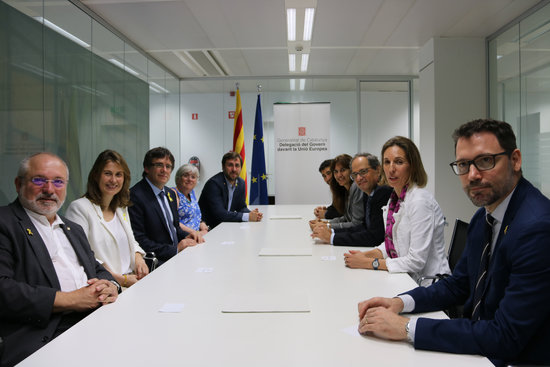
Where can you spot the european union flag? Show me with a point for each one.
(258, 186)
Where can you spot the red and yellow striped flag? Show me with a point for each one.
(238, 140)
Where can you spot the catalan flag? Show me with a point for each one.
(258, 186)
(238, 140)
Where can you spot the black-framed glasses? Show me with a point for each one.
(41, 181)
(482, 162)
(162, 165)
(361, 173)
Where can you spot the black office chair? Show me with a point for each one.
(456, 248)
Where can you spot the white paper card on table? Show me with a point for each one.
(245, 226)
(328, 258)
(204, 270)
(286, 251)
(276, 302)
(228, 243)
(286, 217)
(172, 307)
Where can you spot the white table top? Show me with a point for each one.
(132, 331)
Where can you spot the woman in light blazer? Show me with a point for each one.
(103, 214)
(414, 222)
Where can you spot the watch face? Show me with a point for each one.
(375, 264)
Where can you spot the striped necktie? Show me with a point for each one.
(483, 266)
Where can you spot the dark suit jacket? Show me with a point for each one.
(28, 282)
(332, 212)
(515, 313)
(148, 224)
(213, 201)
(361, 235)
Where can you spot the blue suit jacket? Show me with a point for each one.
(148, 222)
(213, 201)
(361, 235)
(515, 312)
(28, 282)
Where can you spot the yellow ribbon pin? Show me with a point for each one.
(169, 197)
(29, 231)
(505, 229)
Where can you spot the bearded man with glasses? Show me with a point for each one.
(49, 278)
(503, 276)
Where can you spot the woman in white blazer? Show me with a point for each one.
(414, 222)
(103, 214)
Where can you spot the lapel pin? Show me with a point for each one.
(169, 196)
(29, 231)
(505, 229)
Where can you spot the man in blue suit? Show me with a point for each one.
(503, 277)
(223, 198)
(154, 213)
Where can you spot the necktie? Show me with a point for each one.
(367, 212)
(168, 216)
(483, 266)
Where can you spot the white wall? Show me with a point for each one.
(211, 135)
(452, 92)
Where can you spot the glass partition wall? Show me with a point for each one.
(519, 89)
(70, 86)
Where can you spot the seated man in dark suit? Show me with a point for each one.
(365, 171)
(49, 278)
(223, 198)
(324, 212)
(154, 213)
(503, 277)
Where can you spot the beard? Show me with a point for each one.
(494, 192)
(42, 207)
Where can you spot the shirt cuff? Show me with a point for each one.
(412, 330)
(408, 303)
(245, 217)
(332, 237)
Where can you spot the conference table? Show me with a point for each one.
(254, 294)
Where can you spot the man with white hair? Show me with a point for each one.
(49, 278)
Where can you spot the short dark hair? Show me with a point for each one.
(231, 155)
(418, 175)
(156, 153)
(326, 163)
(93, 193)
(502, 130)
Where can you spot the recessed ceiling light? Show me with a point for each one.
(292, 62)
(305, 59)
(291, 23)
(308, 23)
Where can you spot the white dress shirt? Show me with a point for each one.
(69, 272)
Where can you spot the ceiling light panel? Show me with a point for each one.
(291, 24)
(308, 23)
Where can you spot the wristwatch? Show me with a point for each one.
(118, 287)
(375, 264)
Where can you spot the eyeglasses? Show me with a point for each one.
(41, 181)
(483, 162)
(162, 165)
(361, 173)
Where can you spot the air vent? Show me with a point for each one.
(204, 62)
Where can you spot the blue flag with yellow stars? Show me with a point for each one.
(258, 186)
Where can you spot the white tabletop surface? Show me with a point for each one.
(208, 278)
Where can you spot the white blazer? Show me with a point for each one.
(102, 241)
(418, 236)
